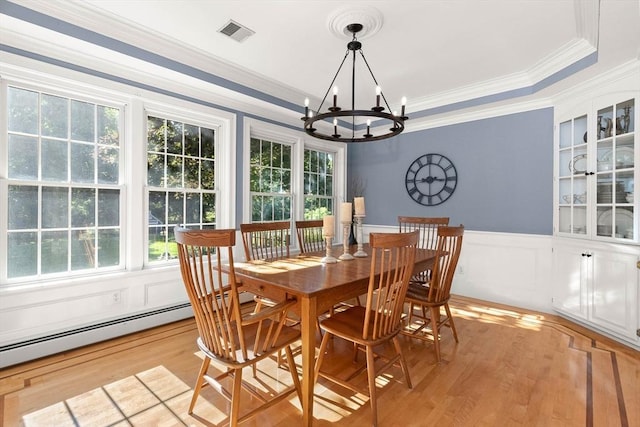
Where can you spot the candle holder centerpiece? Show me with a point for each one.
(345, 219)
(328, 233)
(346, 256)
(359, 217)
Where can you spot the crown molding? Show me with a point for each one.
(107, 24)
(477, 113)
(567, 55)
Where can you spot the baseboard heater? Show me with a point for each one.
(35, 348)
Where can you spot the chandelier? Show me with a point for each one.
(383, 119)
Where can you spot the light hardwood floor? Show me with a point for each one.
(511, 367)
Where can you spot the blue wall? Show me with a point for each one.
(504, 166)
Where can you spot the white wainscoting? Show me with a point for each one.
(506, 268)
(512, 269)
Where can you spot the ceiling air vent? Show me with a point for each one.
(236, 31)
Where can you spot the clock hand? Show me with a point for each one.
(430, 179)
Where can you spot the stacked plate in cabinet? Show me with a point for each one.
(605, 194)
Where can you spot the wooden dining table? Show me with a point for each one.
(317, 287)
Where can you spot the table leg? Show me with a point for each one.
(308, 317)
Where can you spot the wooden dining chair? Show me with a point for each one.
(428, 227)
(267, 241)
(310, 239)
(380, 321)
(309, 233)
(429, 298)
(234, 341)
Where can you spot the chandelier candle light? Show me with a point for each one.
(355, 116)
(327, 233)
(345, 219)
(359, 217)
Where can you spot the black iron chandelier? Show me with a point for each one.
(335, 113)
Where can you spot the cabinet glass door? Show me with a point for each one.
(615, 171)
(572, 176)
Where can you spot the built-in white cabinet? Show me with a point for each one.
(597, 284)
(595, 173)
(596, 245)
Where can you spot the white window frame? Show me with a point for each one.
(253, 128)
(224, 176)
(75, 92)
(133, 161)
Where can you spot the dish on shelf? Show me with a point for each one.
(578, 165)
(575, 198)
(624, 157)
(624, 220)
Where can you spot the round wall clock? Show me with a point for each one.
(431, 179)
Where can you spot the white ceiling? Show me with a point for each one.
(434, 52)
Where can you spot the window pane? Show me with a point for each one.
(22, 254)
(55, 208)
(313, 161)
(329, 164)
(265, 180)
(176, 205)
(286, 181)
(108, 208)
(254, 179)
(23, 157)
(174, 171)
(208, 175)
(157, 208)
(55, 251)
(83, 207)
(82, 162)
(108, 165)
(174, 137)
(108, 248)
(208, 208)
(255, 152)
(157, 246)
(155, 134)
(22, 114)
(191, 141)
(256, 208)
(155, 169)
(23, 207)
(322, 185)
(83, 252)
(208, 143)
(286, 156)
(55, 116)
(108, 125)
(193, 208)
(82, 121)
(191, 173)
(276, 156)
(54, 160)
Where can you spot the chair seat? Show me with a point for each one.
(255, 352)
(349, 324)
(418, 291)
